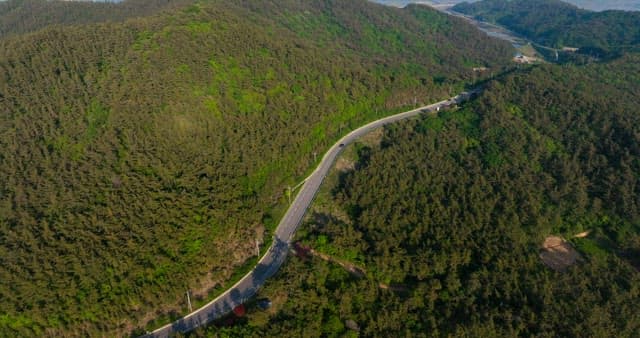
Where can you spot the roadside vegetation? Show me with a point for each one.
(450, 212)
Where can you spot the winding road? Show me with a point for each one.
(276, 255)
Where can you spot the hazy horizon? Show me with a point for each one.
(594, 5)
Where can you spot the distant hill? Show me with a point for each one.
(594, 5)
(143, 158)
(558, 24)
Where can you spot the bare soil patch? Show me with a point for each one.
(344, 165)
(394, 287)
(374, 138)
(558, 254)
(583, 234)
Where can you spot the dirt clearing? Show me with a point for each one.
(343, 164)
(558, 254)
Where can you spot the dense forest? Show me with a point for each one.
(144, 158)
(558, 24)
(24, 16)
(445, 216)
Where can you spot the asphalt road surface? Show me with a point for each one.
(275, 256)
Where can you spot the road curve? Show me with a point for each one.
(275, 256)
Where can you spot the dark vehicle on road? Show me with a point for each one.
(264, 303)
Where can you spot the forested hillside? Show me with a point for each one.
(446, 216)
(558, 24)
(144, 158)
(23, 16)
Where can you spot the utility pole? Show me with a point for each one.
(315, 156)
(189, 302)
(289, 193)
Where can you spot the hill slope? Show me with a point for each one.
(145, 158)
(23, 16)
(556, 23)
(445, 217)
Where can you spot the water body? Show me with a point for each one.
(495, 31)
